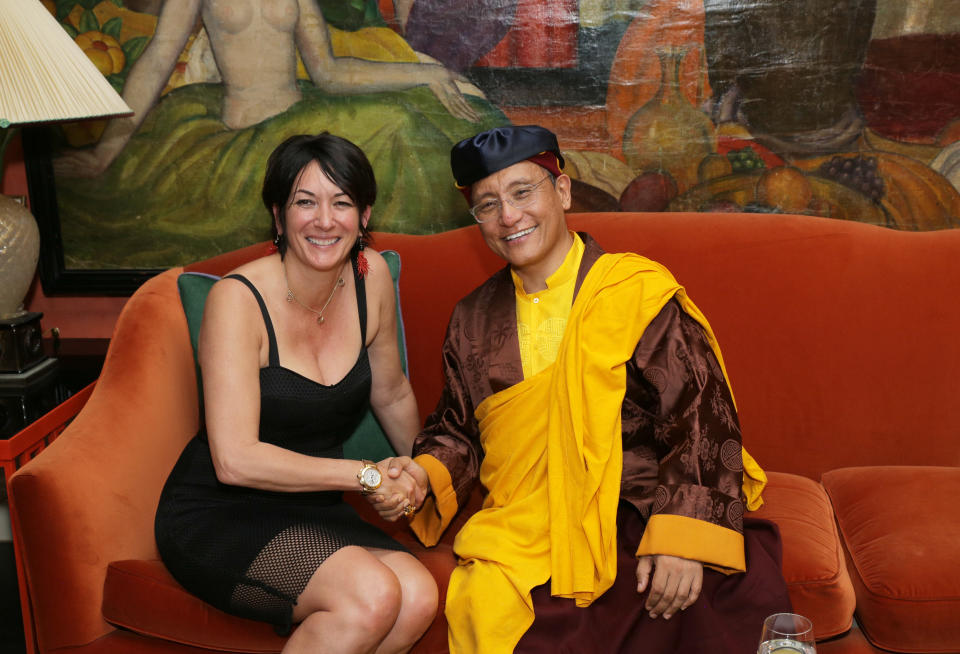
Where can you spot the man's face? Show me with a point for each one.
(533, 240)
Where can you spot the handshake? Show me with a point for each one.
(403, 488)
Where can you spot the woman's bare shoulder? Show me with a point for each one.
(378, 275)
(230, 293)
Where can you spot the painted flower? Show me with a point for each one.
(103, 50)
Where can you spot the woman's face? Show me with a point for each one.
(322, 222)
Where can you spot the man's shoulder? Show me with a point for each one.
(593, 251)
(479, 298)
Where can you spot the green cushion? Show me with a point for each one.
(368, 441)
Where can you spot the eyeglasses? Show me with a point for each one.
(520, 197)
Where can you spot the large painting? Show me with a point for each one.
(841, 108)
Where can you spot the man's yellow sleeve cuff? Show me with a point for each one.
(754, 481)
(440, 507)
(689, 538)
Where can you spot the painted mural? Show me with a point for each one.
(841, 108)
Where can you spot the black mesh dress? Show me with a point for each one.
(251, 552)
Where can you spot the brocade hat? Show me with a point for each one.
(488, 152)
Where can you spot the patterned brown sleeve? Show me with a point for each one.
(450, 432)
(681, 433)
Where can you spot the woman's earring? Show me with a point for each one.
(277, 239)
(363, 266)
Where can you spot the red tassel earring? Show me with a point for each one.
(363, 266)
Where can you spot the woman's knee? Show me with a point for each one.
(420, 598)
(376, 601)
(360, 592)
(420, 594)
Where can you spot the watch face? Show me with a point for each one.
(371, 477)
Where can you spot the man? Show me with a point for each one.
(586, 393)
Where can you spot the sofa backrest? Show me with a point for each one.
(842, 340)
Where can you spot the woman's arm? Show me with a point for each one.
(391, 396)
(348, 75)
(232, 346)
(147, 78)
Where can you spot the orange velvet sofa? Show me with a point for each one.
(842, 341)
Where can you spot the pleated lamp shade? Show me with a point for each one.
(44, 75)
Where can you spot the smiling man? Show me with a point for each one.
(586, 393)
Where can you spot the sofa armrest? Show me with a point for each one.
(91, 498)
(813, 560)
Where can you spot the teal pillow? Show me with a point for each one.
(368, 441)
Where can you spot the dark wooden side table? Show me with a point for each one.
(70, 365)
(35, 407)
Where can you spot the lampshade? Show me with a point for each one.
(44, 75)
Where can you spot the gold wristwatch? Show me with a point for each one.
(369, 477)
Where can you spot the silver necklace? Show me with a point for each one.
(291, 296)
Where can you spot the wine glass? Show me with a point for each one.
(787, 633)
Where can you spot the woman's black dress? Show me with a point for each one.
(251, 552)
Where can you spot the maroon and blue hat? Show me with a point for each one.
(488, 152)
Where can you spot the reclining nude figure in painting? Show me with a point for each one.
(255, 45)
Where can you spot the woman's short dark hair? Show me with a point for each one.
(340, 160)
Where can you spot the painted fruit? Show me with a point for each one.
(650, 191)
(784, 188)
(712, 166)
(103, 50)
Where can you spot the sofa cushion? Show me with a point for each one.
(368, 440)
(142, 596)
(813, 562)
(900, 526)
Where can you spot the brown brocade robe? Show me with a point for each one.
(676, 415)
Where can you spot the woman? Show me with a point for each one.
(293, 349)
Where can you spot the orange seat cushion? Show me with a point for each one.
(813, 559)
(901, 528)
(142, 596)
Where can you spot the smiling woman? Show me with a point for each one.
(252, 517)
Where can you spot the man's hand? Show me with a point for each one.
(404, 487)
(404, 464)
(394, 496)
(676, 583)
